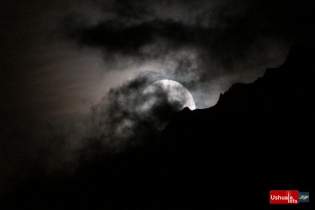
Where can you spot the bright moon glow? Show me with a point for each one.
(175, 93)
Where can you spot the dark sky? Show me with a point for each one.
(71, 71)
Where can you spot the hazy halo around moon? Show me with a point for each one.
(176, 92)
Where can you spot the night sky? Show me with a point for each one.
(72, 72)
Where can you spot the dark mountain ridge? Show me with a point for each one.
(258, 137)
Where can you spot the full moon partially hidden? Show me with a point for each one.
(174, 91)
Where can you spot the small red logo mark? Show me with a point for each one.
(284, 197)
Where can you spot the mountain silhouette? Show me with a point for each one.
(258, 137)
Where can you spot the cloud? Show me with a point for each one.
(126, 118)
(239, 27)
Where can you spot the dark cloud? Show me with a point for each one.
(226, 45)
(240, 27)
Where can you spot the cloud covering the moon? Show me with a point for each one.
(119, 121)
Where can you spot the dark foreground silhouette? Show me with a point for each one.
(259, 137)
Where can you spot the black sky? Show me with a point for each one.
(71, 71)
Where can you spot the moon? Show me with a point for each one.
(175, 92)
